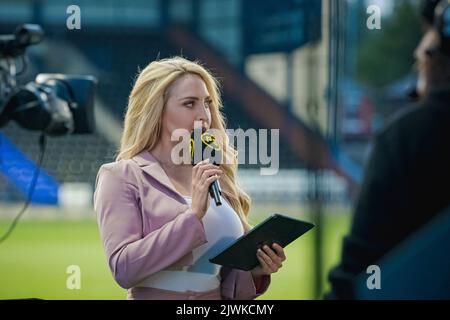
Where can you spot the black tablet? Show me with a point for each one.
(276, 229)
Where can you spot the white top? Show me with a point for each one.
(222, 227)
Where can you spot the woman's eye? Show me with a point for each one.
(189, 104)
(207, 104)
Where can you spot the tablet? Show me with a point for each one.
(277, 228)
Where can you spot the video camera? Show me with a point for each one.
(55, 104)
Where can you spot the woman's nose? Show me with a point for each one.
(202, 115)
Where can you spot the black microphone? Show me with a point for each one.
(204, 146)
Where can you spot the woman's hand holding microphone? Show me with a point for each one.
(203, 174)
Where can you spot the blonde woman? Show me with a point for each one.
(157, 223)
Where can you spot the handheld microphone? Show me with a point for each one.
(204, 146)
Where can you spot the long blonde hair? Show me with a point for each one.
(143, 121)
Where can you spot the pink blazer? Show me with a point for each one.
(146, 226)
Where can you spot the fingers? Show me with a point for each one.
(201, 167)
(203, 174)
(203, 171)
(280, 251)
(273, 256)
(266, 262)
(210, 180)
(263, 265)
(200, 164)
(208, 173)
(270, 261)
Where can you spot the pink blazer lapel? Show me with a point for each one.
(150, 166)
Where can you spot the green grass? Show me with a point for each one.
(34, 260)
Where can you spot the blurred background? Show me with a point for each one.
(310, 68)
